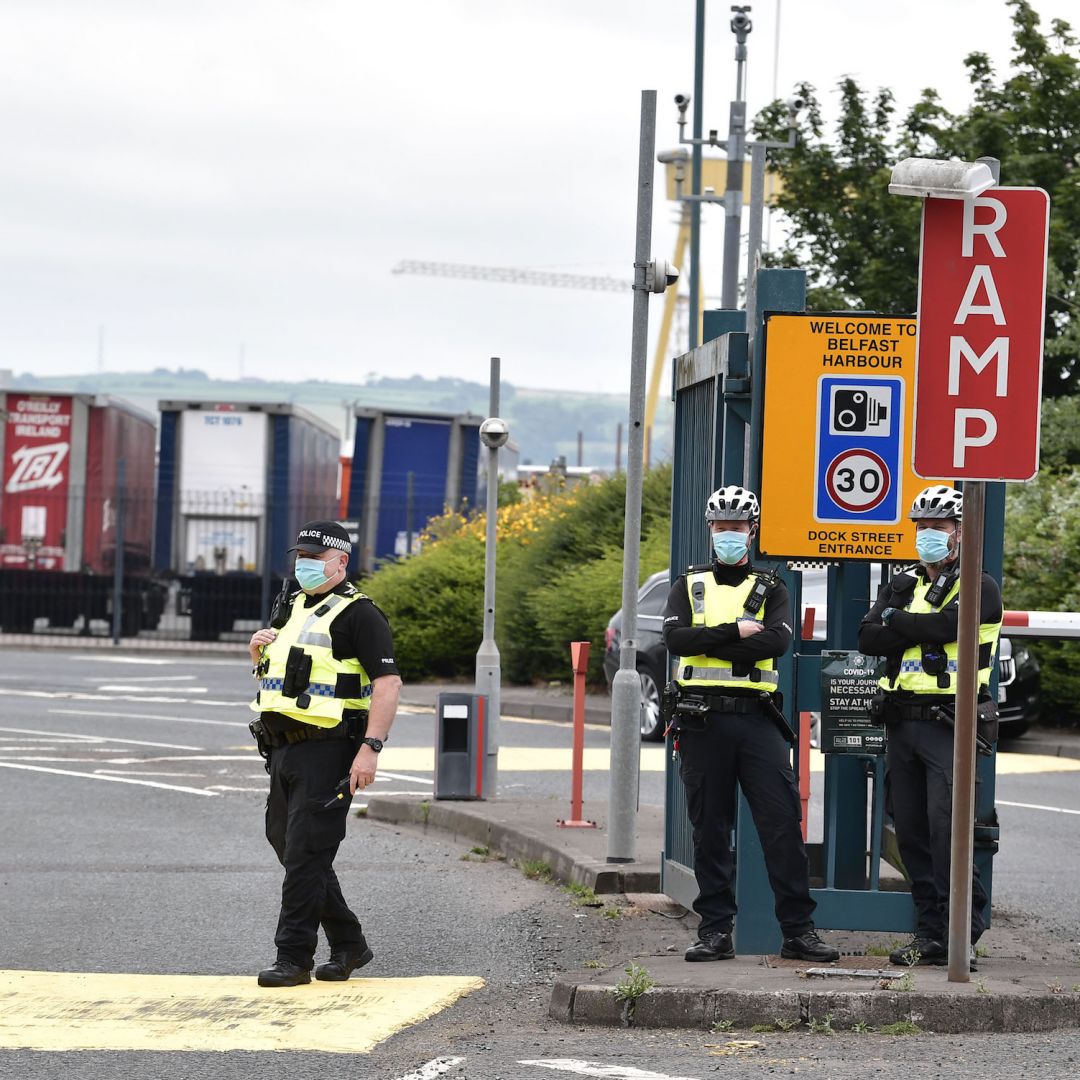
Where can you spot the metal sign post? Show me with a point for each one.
(978, 375)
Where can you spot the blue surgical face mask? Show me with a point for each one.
(932, 545)
(730, 547)
(310, 573)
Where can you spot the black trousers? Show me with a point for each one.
(918, 778)
(744, 749)
(305, 835)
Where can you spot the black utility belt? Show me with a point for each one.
(308, 733)
(728, 703)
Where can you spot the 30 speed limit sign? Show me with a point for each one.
(859, 449)
(857, 480)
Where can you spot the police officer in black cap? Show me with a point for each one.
(728, 623)
(328, 691)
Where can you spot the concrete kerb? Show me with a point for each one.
(985, 1005)
(516, 844)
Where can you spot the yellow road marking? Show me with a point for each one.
(45, 1010)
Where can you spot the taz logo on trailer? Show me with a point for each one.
(36, 467)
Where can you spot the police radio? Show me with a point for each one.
(281, 609)
(756, 597)
(941, 588)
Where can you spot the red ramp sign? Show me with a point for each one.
(979, 343)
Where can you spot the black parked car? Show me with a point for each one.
(1018, 670)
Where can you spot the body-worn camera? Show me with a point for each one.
(297, 676)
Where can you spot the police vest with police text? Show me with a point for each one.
(712, 604)
(334, 685)
(913, 678)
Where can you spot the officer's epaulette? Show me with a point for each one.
(699, 569)
(349, 589)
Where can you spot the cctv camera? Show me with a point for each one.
(740, 21)
(659, 275)
(673, 157)
(796, 104)
(494, 432)
(682, 101)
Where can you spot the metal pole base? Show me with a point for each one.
(568, 824)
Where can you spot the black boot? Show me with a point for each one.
(284, 973)
(711, 947)
(808, 946)
(920, 950)
(343, 963)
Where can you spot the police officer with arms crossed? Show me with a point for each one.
(913, 625)
(328, 691)
(728, 623)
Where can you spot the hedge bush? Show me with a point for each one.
(559, 579)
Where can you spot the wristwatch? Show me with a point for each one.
(375, 744)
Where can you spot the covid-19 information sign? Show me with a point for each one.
(836, 476)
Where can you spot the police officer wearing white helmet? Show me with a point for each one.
(727, 624)
(913, 625)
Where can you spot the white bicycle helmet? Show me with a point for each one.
(732, 503)
(938, 501)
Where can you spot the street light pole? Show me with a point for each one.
(626, 686)
(736, 150)
(493, 434)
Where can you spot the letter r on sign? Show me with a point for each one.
(961, 439)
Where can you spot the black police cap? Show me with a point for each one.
(324, 536)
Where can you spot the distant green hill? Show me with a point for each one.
(543, 423)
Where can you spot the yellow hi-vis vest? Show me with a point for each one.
(334, 686)
(911, 676)
(713, 605)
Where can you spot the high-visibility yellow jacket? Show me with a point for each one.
(334, 685)
(712, 604)
(913, 678)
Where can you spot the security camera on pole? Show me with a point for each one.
(650, 276)
(493, 433)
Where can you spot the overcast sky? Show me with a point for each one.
(219, 182)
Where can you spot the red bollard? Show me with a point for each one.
(579, 658)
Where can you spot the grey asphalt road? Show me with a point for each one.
(149, 873)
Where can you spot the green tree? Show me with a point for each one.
(860, 245)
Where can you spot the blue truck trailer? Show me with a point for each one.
(407, 468)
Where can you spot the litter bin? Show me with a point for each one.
(460, 750)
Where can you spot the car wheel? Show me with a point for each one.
(652, 728)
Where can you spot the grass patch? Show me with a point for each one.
(905, 984)
(425, 811)
(637, 982)
(981, 951)
(785, 1025)
(612, 913)
(822, 1026)
(535, 870)
(593, 964)
(901, 1027)
(762, 1029)
(583, 895)
(722, 1025)
(861, 1028)
(980, 985)
(360, 811)
(481, 853)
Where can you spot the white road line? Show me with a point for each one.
(146, 678)
(141, 772)
(149, 716)
(125, 688)
(158, 661)
(595, 1068)
(99, 776)
(224, 787)
(78, 695)
(433, 1068)
(1036, 806)
(101, 738)
(401, 776)
(182, 757)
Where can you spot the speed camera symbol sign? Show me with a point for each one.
(859, 449)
